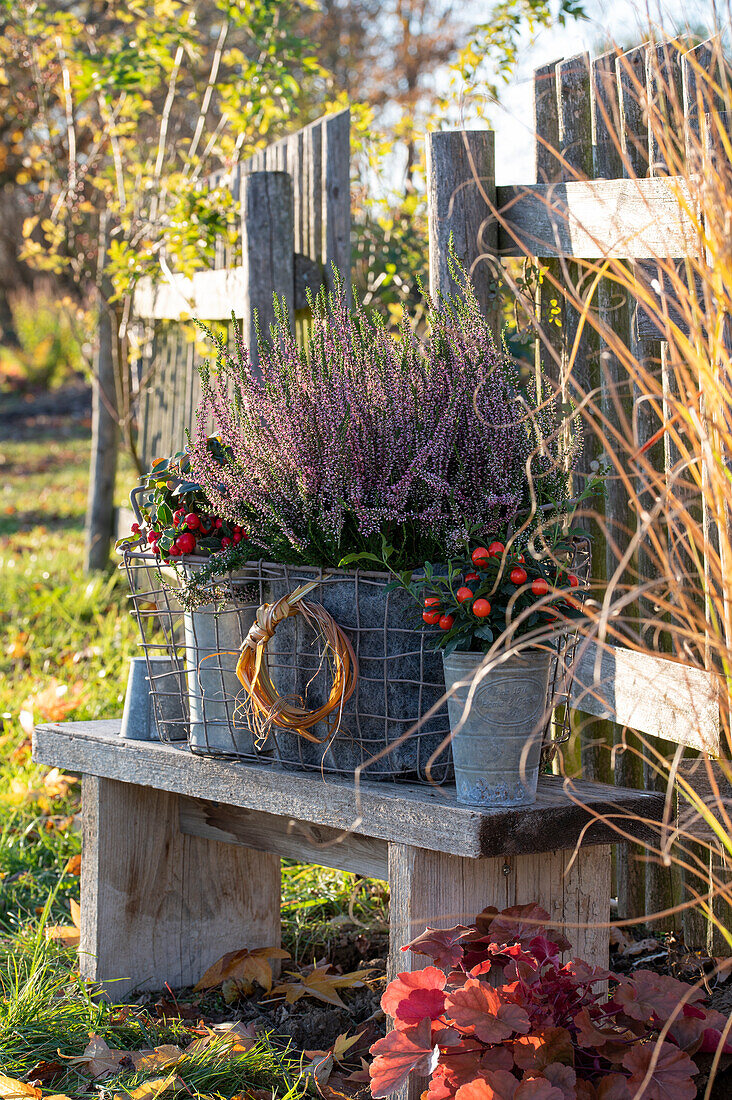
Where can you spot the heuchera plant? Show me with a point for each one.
(500, 1017)
(365, 438)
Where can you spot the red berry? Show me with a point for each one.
(573, 580)
(496, 549)
(237, 536)
(135, 528)
(446, 621)
(192, 521)
(480, 556)
(464, 594)
(186, 543)
(432, 618)
(481, 608)
(518, 575)
(154, 535)
(174, 552)
(539, 587)
(432, 601)
(225, 541)
(472, 577)
(219, 523)
(521, 558)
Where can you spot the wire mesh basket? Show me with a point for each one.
(400, 678)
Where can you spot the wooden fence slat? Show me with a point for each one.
(314, 157)
(546, 123)
(580, 356)
(655, 695)
(620, 219)
(460, 187)
(549, 301)
(336, 183)
(631, 73)
(267, 251)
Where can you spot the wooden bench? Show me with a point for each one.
(181, 853)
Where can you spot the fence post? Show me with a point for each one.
(268, 251)
(461, 189)
(105, 424)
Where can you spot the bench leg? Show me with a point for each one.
(441, 890)
(158, 906)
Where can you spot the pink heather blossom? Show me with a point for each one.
(368, 434)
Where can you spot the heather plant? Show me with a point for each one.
(367, 439)
(501, 1017)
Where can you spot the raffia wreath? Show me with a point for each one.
(267, 707)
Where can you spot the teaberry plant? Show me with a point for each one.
(500, 1017)
(496, 592)
(365, 437)
(178, 518)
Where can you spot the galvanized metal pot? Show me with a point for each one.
(213, 636)
(153, 707)
(497, 719)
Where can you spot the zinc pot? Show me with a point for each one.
(154, 701)
(213, 635)
(497, 718)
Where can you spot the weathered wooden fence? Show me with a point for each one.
(601, 192)
(295, 208)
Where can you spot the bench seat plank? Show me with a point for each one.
(417, 815)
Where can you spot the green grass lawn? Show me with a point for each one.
(65, 641)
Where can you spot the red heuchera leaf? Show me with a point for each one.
(514, 961)
(711, 1040)
(504, 1086)
(441, 944)
(536, 1052)
(499, 1085)
(590, 1034)
(421, 1004)
(614, 1087)
(689, 1030)
(439, 1088)
(519, 924)
(672, 1073)
(537, 1088)
(650, 996)
(562, 1077)
(586, 974)
(490, 1016)
(398, 1054)
(405, 984)
(509, 926)
(462, 1065)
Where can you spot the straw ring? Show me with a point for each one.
(267, 706)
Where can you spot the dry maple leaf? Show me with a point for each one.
(58, 785)
(99, 1060)
(243, 966)
(230, 1038)
(151, 1090)
(163, 1057)
(322, 985)
(55, 701)
(10, 1089)
(73, 867)
(68, 935)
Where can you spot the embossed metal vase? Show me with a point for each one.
(497, 725)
